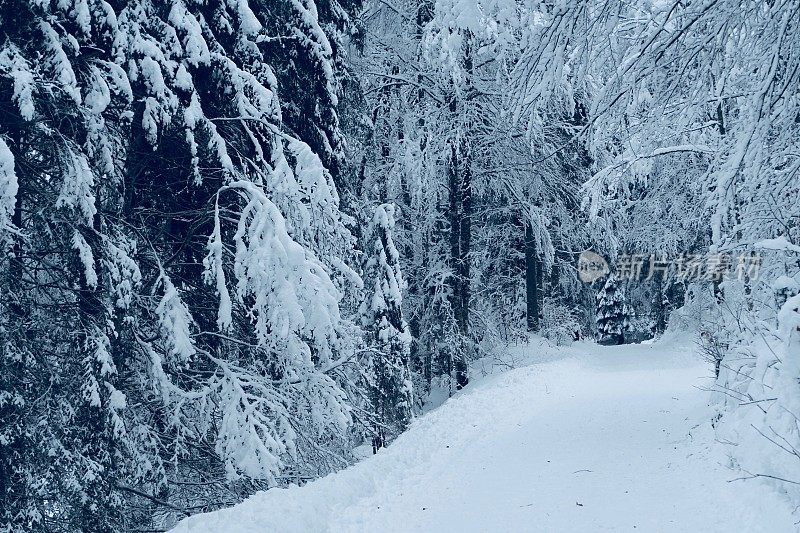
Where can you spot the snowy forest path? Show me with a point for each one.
(596, 440)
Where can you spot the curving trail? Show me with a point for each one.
(596, 440)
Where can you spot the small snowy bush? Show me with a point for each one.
(559, 323)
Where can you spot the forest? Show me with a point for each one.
(243, 238)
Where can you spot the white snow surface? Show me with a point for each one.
(584, 438)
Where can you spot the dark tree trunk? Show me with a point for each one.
(459, 298)
(460, 191)
(719, 292)
(463, 261)
(662, 308)
(94, 439)
(533, 281)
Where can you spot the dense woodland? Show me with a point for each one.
(242, 237)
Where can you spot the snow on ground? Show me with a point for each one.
(600, 439)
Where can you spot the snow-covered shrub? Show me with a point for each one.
(759, 402)
(641, 327)
(754, 343)
(559, 323)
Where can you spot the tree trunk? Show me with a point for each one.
(661, 304)
(459, 295)
(719, 292)
(533, 281)
(465, 238)
(94, 439)
(460, 190)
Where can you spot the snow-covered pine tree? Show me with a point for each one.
(303, 43)
(171, 332)
(14, 446)
(612, 312)
(391, 391)
(243, 338)
(57, 135)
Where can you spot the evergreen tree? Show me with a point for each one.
(612, 312)
(391, 389)
(304, 44)
(173, 259)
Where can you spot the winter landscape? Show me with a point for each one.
(399, 265)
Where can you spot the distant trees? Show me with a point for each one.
(480, 202)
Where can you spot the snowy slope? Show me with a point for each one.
(598, 440)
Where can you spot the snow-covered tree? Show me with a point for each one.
(478, 195)
(612, 312)
(388, 373)
(176, 258)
